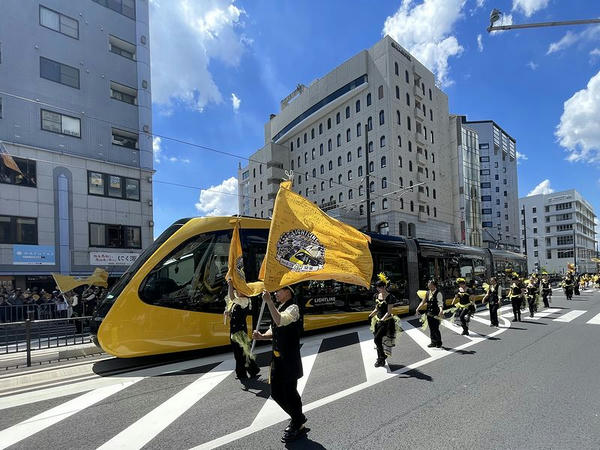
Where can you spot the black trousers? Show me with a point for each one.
(240, 362)
(463, 315)
(380, 332)
(516, 306)
(545, 299)
(494, 314)
(285, 393)
(434, 330)
(531, 303)
(569, 292)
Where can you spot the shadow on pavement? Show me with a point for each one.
(304, 443)
(534, 323)
(413, 373)
(460, 352)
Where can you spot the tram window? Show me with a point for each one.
(192, 277)
(394, 267)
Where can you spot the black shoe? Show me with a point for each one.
(291, 426)
(431, 345)
(380, 363)
(295, 434)
(255, 374)
(438, 346)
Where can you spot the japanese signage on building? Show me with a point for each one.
(112, 259)
(33, 255)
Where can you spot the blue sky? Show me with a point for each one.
(219, 68)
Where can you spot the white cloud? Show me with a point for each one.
(529, 7)
(595, 52)
(186, 36)
(579, 127)
(235, 102)
(532, 65)
(219, 200)
(480, 42)
(156, 148)
(521, 157)
(505, 19)
(542, 188)
(480, 3)
(175, 159)
(571, 38)
(425, 31)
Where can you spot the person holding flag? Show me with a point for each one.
(238, 307)
(286, 363)
(304, 244)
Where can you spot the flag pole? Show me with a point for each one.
(260, 315)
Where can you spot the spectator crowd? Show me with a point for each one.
(34, 303)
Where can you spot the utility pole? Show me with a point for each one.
(575, 245)
(496, 14)
(524, 230)
(367, 178)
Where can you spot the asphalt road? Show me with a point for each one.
(530, 384)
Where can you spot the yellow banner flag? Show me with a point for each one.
(8, 160)
(67, 283)
(235, 266)
(306, 244)
(98, 278)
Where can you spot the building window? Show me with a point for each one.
(359, 152)
(124, 138)
(348, 135)
(369, 123)
(361, 210)
(329, 145)
(381, 117)
(0, 107)
(369, 99)
(371, 167)
(383, 161)
(548, 254)
(349, 175)
(125, 7)
(305, 138)
(380, 92)
(372, 207)
(18, 230)
(360, 171)
(339, 160)
(370, 147)
(358, 131)
(320, 128)
(361, 190)
(486, 211)
(484, 159)
(59, 22)
(382, 141)
(407, 99)
(330, 180)
(312, 133)
(349, 157)
(535, 242)
(329, 123)
(396, 68)
(312, 154)
(120, 47)
(320, 149)
(123, 93)
(487, 225)
(338, 118)
(412, 206)
(486, 184)
(408, 123)
(486, 198)
(410, 166)
(113, 186)
(347, 112)
(330, 165)
(60, 123)
(8, 174)
(384, 183)
(406, 76)
(59, 73)
(484, 172)
(357, 106)
(115, 236)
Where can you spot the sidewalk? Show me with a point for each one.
(46, 356)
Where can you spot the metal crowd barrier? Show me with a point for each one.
(18, 313)
(30, 335)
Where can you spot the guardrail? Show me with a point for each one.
(30, 335)
(18, 313)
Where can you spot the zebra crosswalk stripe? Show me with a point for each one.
(571, 315)
(594, 320)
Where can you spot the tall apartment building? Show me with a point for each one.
(76, 111)
(464, 144)
(553, 226)
(381, 101)
(499, 186)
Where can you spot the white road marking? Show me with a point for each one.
(369, 356)
(29, 427)
(571, 315)
(458, 330)
(486, 312)
(421, 339)
(594, 320)
(539, 315)
(224, 440)
(148, 427)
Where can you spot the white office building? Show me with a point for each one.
(558, 229)
(380, 112)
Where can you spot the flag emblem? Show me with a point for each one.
(239, 267)
(300, 251)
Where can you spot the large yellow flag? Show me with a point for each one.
(236, 267)
(306, 244)
(98, 278)
(67, 283)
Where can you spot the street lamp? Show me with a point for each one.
(496, 14)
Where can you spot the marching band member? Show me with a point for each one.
(515, 295)
(286, 363)
(531, 292)
(237, 309)
(462, 300)
(492, 297)
(384, 325)
(546, 290)
(568, 285)
(435, 306)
